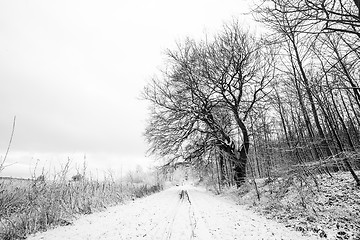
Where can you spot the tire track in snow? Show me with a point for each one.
(179, 223)
(164, 223)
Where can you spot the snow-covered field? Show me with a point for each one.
(183, 212)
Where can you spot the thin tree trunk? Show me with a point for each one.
(302, 106)
(353, 108)
(356, 133)
(352, 148)
(324, 144)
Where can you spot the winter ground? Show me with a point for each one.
(330, 210)
(183, 212)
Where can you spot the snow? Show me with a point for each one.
(183, 212)
(329, 210)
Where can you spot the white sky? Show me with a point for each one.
(72, 72)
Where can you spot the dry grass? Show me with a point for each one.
(36, 205)
(328, 207)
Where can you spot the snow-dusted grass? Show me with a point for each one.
(36, 205)
(326, 206)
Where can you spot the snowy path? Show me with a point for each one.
(177, 213)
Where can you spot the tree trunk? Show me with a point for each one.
(356, 133)
(302, 107)
(241, 159)
(255, 149)
(222, 168)
(352, 148)
(353, 109)
(324, 144)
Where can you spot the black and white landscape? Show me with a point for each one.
(171, 119)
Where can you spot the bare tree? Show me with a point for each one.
(320, 55)
(318, 16)
(206, 96)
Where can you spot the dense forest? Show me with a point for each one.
(239, 106)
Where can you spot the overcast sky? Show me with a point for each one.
(72, 72)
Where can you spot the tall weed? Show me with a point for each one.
(36, 205)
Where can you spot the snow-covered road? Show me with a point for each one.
(178, 213)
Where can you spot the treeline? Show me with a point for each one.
(243, 106)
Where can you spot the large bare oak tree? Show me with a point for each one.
(205, 96)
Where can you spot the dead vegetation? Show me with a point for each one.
(29, 206)
(48, 200)
(324, 205)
